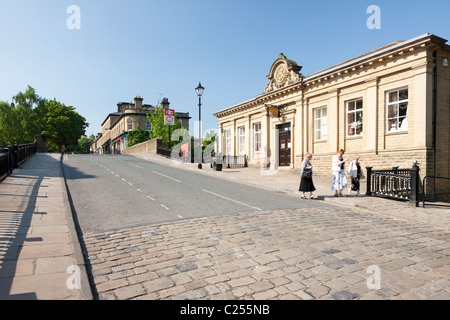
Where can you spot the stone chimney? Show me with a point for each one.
(138, 103)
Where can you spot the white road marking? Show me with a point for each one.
(180, 217)
(163, 175)
(232, 200)
(134, 165)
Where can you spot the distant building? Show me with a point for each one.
(118, 125)
(390, 105)
(95, 148)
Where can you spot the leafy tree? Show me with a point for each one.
(8, 124)
(20, 121)
(159, 129)
(136, 136)
(83, 145)
(210, 137)
(62, 126)
(28, 115)
(208, 143)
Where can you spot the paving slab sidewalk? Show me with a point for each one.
(40, 255)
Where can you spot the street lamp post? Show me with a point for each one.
(199, 91)
(165, 105)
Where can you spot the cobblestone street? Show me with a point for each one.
(304, 254)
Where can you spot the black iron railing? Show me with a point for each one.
(399, 184)
(231, 161)
(5, 162)
(13, 157)
(235, 161)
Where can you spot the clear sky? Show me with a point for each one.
(163, 48)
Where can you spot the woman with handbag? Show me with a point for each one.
(306, 182)
(355, 172)
(339, 177)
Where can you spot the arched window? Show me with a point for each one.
(130, 124)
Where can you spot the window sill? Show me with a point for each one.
(354, 137)
(393, 133)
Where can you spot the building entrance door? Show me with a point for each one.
(284, 145)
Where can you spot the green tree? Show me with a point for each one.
(208, 143)
(160, 130)
(28, 115)
(136, 136)
(8, 124)
(83, 145)
(20, 121)
(59, 126)
(210, 137)
(62, 125)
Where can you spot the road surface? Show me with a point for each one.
(110, 192)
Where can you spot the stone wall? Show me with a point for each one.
(443, 125)
(147, 147)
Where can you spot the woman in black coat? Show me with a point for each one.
(306, 182)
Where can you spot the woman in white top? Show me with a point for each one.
(339, 177)
(356, 173)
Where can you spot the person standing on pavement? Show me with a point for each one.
(339, 177)
(306, 182)
(355, 172)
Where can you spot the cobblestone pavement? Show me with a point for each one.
(305, 254)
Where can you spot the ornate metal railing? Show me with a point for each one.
(400, 184)
(235, 161)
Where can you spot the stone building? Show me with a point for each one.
(118, 125)
(390, 105)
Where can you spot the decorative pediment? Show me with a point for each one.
(283, 73)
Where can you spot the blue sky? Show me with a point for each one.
(163, 48)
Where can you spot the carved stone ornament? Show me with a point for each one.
(283, 73)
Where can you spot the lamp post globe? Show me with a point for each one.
(199, 89)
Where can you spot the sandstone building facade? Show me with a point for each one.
(118, 125)
(390, 105)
